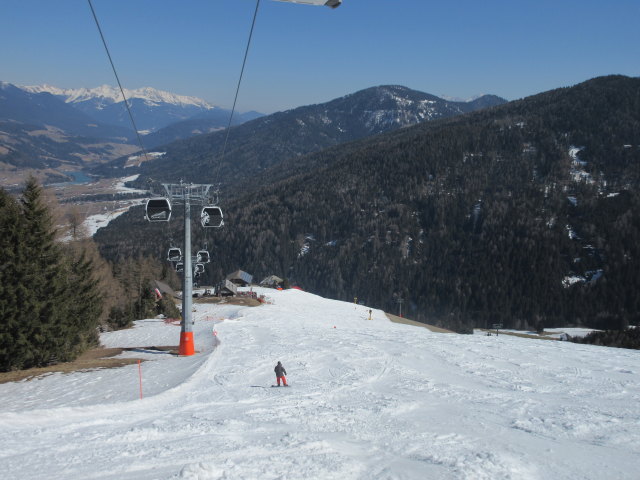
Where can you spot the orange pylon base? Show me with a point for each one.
(186, 344)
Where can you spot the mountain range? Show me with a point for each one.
(38, 130)
(526, 214)
(264, 142)
(45, 127)
(48, 128)
(152, 109)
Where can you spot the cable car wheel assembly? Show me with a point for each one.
(159, 208)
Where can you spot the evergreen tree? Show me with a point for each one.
(42, 286)
(50, 303)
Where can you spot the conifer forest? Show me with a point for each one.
(524, 214)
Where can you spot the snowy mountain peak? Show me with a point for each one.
(462, 100)
(108, 94)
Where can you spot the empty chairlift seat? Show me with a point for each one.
(158, 210)
(211, 216)
(199, 268)
(180, 267)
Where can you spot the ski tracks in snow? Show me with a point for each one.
(370, 400)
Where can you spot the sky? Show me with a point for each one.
(368, 400)
(303, 55)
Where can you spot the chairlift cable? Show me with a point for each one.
(126, 102)
(233, 108)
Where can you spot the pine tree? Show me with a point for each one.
(50, 298)
(42, 286)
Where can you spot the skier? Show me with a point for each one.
(280, 374)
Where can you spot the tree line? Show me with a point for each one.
(55, 296)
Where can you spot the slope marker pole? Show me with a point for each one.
(140, 376)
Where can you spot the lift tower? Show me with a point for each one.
(158, 209)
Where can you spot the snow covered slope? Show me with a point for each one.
(369, 400)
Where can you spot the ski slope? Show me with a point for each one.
(369, 400)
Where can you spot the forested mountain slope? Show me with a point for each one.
(526, 214)
(270, 140)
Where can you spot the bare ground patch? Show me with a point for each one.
(406, 321)
(244, 301)
(90, 360)
(542, 336)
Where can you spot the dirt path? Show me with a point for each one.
(406, 321)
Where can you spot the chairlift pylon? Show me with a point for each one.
(211, 216)
(174, 254)
(158, 209)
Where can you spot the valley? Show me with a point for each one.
(12, 177)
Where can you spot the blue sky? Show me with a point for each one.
(302, 54)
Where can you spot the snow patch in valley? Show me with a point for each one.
(149, 154)
(94, 222)
(119, 185)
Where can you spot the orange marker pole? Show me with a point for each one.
(186, 344)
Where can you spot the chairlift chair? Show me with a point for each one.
(203, 257)
(174, 254)
(198, 268)
(158, 210)
(179, 267)
(211, 216)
